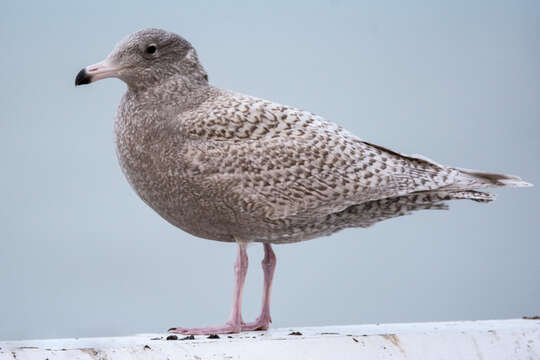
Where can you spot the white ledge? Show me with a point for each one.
(492, 339)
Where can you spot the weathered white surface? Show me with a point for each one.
(494, 339)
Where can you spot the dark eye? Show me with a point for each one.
(150, 49)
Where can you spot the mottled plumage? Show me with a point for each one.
(238, 167)
(231, 167)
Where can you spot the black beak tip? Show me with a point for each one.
(82, 78)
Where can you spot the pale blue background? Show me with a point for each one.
(81, 255)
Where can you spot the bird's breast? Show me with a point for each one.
(159, 166)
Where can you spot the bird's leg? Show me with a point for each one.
(235, 323)
(268, 265)
(240, 271)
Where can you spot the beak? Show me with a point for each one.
(95, 72)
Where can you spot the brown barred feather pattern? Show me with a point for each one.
(232, 167)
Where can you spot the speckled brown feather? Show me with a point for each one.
(231, 167)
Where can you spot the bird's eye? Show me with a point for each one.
(150, 49)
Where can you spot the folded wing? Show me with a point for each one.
(283, 162)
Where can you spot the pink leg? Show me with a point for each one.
(268, 265)
(235, 322)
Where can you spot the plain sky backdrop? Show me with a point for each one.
(457, 81)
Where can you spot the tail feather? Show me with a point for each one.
(485, 179)
(474, 195)
(371, 212)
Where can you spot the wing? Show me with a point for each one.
(285, 162)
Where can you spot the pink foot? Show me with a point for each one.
(227, 328)
(261, 323)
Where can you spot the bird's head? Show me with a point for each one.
(146, 58)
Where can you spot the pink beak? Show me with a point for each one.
(95, 72)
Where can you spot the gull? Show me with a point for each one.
(235, 168)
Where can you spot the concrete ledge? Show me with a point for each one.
(493, 339)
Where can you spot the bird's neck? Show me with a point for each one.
(148, 83)
(180, 92)
(148, 110)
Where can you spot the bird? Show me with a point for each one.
(230, 167)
